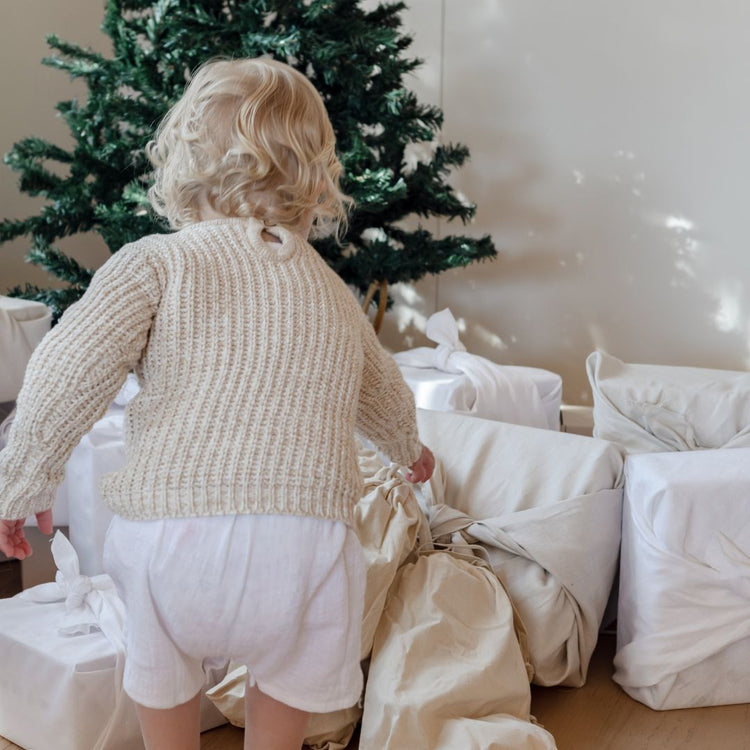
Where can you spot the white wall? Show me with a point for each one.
(610, 162)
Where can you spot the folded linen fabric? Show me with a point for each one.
(23, 324)
(448, 378)
(648, 408)
(62, 653)
(684, 606)
(447, 670)
(546, 507)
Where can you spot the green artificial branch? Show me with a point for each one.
(355, 58)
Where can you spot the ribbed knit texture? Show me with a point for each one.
(256, 366)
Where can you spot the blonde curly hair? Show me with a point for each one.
(249, 137)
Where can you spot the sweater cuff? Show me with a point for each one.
(405, 451)
(24, 493)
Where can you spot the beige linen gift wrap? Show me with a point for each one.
(447, 670)
(22, 326)
(546, 506)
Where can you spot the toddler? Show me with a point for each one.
(232, 535)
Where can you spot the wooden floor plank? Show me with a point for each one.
(600, 716)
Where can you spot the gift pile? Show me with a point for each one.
(495, 573)
(683, 637)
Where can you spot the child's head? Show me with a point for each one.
(248, 138)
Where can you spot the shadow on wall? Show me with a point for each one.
(607, 272)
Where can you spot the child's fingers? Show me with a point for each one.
(44, 521)
(13, 542)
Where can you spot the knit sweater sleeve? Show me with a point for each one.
(72, 377)
(386, 414)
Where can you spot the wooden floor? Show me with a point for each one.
(598, 716)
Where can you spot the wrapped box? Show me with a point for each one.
(61, 676)
(546, 508)
(100, 452)
(683, 635)
(653, 408)
(23, 324)
(448, 378)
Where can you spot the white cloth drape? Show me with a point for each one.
(652, 408)
(448, 378)
(23, 324)
(684, 606)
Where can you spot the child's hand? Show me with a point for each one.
(421, 470)
(13, 542)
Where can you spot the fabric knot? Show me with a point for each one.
(77, 591)
(443, 355)
(443, 330)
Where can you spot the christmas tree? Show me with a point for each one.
(394, 167)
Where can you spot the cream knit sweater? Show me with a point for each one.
(256, 366)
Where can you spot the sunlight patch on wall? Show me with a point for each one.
(406, 300)
(489, 338)
(728, 314)
(679, 223)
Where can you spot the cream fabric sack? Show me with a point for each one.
(447, 670)
(23, 324)
(389, 523)
(547, 508)
(387, 520)
(653, 408)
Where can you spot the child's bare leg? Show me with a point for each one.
(177, 728)
(271, 725)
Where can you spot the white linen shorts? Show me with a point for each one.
(283, 595)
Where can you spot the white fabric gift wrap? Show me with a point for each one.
(654, 408)
(100, 451)
(23, 324)
(448, 378)
(62, 656)
(684, 608)
(546, 507)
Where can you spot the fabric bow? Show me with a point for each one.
(504, 393)
(90, 603)
(443, 330)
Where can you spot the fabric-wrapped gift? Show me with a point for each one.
(23, 324)
(62, 656)
(546, 507)
(684, 609)
(653, 408)
(448, 378)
